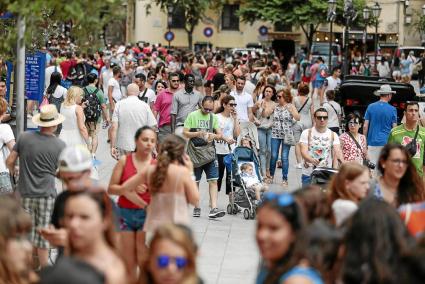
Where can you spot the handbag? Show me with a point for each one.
(411, 147)
(289, 138)
(203, 154)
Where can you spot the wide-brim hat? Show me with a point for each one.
(48, 116)
(384, 90)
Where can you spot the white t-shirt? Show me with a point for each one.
(150, 95)
(319, 147)
(343, 209)
(106, 76)
(6, 135)
(116, 92)
(249, 87)
(226, 126)
(332, 83)
(334, 110)
(48, 74)
(131, 114)
(243, 101)
(59, 92)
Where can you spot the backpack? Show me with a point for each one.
(93, 108)
(323, 70)
(77, 74)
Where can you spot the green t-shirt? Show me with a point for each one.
(400, 135)
(197, 121)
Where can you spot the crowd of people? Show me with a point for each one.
(172, 116)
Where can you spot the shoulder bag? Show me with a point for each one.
(366, 162)
(203, 154)
(289, 138)
(411, 147)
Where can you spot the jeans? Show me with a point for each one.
(221, 169)
(305, 180)
(264, 138)
(285, 157)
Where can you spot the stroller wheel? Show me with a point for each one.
(235, 209)
(253, 214)
(229, 209)
(246, 214)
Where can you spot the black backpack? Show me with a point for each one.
(93, 108)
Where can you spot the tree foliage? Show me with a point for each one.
(306, 14)
(43, 18)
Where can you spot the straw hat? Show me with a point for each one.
(48, 116)
(384, 90)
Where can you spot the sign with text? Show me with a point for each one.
(35, 66)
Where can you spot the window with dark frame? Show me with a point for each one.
(229, 19)
(177, 18)
(282, 27)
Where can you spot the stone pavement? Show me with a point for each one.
(227, 248)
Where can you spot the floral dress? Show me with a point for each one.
(350, 151)
(282, 122)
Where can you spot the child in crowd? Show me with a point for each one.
(251, 181)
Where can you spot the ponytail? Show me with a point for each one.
(160, 173)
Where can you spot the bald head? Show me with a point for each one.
(132, 90)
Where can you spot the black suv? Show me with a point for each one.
(356, 92)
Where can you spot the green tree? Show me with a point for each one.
(43, 18)
(194, 12)
(306, 14)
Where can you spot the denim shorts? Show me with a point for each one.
(317, 84)
(5, 184)
(210, 169)
(132, 219)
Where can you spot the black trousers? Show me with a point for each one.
(221, 169)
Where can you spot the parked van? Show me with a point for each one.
(322, 49)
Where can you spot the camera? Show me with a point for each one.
(369, 164)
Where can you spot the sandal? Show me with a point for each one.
(268, 180)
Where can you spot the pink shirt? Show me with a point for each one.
(163, 107)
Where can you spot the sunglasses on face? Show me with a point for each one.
(283, 199)
(152, 78)
(322, 118)
(175, 81)
(207, 109)
(233, 105)
(353, 123)
(163, 261)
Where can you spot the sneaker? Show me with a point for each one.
(216, 213)
(196, 212)
(284, 183)
(298, 166)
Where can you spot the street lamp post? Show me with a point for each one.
(349, 15)
(376, 13)
(170, 10)
(366, 13)
(331, 19)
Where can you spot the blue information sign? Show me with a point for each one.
(208, 32)
(35, 66)
(169, 36)
(263, 30)
(9, 66)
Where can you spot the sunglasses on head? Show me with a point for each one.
(283, 199)
(321, 117)
(163, 261)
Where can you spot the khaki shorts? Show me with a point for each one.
(93, 128)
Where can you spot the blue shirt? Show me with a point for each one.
(307, 272)
(405, 66)
(381, 117)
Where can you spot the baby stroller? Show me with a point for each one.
(243, 199)
(321, 176)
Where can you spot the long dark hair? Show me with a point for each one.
(273, 98)
(172, 149)
(410, 188)
(375, 241)
(55, 80)
(225, 101)
(140, 131)
(294, 215)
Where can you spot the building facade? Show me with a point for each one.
(396, 27)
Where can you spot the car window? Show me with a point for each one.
(324, 50)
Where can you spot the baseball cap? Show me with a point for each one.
(75, 159)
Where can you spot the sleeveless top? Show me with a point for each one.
(166, 208)
(70, 132)
(282, 122)
(308, 272)
(129, 171)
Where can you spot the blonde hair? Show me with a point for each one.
(181, 236)
(71, 96)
